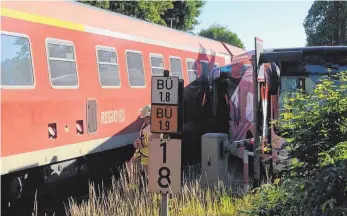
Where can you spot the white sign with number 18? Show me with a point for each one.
(164, 171)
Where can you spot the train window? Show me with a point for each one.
(16, 61)
(62, 63)
(176, 67)
(191, 68)
(157, 64)
(136, 72)
(205, 68)
(108, 67)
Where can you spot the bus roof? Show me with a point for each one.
(312, 49)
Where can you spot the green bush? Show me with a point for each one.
(315, 127)
(325, 193)
(315, 123)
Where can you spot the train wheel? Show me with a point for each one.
(18, 191)
(16, 188)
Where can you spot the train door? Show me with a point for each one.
(92, 121)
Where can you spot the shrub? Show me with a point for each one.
(325, 193)
(315, 123)
(315, 127)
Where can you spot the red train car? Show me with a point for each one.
(73, 78)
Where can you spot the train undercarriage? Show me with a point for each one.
(19, 189)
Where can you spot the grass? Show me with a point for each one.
(195, 199)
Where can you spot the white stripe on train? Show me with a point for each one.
(90, 29)
(69, 151)
(106, 32)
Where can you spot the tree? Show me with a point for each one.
(326, 23)
(151, 11)
(101, 4)
(223, 34)
(183, 13)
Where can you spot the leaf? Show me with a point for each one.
(324, 205)
(331, 203)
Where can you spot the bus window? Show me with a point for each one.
(314, 66)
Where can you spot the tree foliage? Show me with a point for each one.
(223, 34)
(324, 193)
(316, 129)
(101, 4)
(184, 14)
(151, 11)
(315, 123)
(326, 23)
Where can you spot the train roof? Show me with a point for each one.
(81, 13)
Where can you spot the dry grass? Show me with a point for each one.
(121, 199)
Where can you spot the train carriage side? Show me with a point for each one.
(67, 93)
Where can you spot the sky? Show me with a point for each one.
(278, 23)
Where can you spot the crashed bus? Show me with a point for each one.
(248, 96)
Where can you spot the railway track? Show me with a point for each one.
(50, 199)
(53, 199)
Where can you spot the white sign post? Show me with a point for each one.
(164, 118)
(258, 75)
(164, 90)
(164, 166)
(164, 171)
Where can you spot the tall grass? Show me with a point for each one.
(195, 199)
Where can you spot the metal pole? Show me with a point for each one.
(164, 205)
(245, 171)
(256, 126)
(164, 199)
(170, 21)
